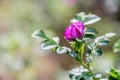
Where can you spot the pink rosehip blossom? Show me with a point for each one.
(75, 30)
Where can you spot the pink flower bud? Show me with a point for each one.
(75, 30)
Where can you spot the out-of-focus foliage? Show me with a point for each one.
(20, 55)
(117, 46)
(116, 49)
(114, 74)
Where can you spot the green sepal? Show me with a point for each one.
(81, 48)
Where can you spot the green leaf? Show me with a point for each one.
(72, 54)
(114, 74)
(89, 59)
(56, 39)
(48, 44)
(91, 18)
(86, 18)
(104, 42)
(112, 78)
(71, 76)
(80, 16)
(88, 52)
(91, 46)
(39, 33)
(98, 39)
(98, 76)
(78, 77)
(87, 75)
(97, 52)
(75, 73)
(108, 35)
(62, 50)
(90, 30)
(90, 33)
(90, 36)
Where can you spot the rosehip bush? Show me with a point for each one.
(79, 36)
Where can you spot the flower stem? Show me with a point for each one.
(84, 65)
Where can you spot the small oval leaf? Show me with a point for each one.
(97, 52)
(108, 35)
(86, 18)
(62, 50)
(104, 42)
(92, 19)
(89, 59)
(56, 39)
(90, 30)
(48, 44)
(72, 54)
(38, 34)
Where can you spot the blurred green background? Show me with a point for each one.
(20, 55)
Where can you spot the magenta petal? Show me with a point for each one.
(75, 30)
